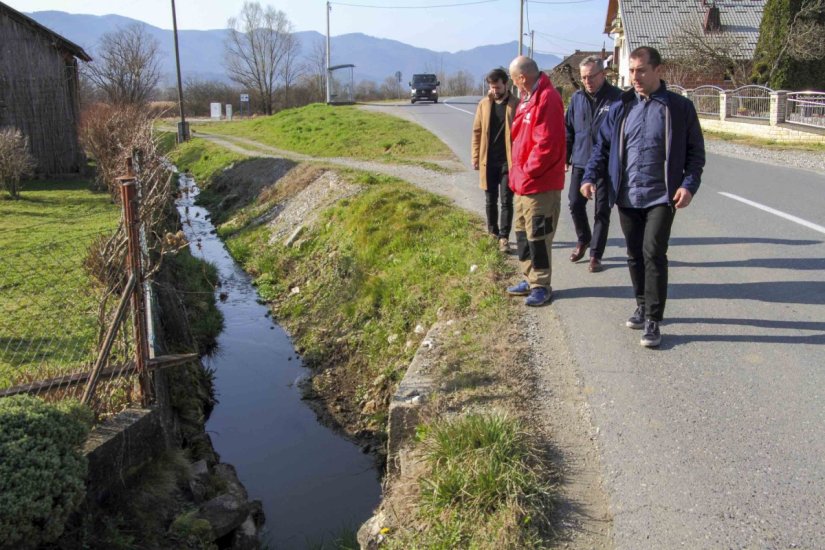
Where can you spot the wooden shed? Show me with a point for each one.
(39, 90)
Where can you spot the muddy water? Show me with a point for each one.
(312, 482)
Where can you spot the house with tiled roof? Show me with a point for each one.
(565, 75)
(668, 25)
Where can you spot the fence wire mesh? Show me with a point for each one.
(58, 292)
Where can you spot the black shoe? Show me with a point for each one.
(637, 320)
(652, 337)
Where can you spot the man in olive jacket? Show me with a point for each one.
(491, 154)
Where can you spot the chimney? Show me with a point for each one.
(713, 18)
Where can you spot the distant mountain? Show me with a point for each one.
(202, 52)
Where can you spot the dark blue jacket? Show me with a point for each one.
(583, 123)
(684, 150)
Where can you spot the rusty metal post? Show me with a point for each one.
(131, 220)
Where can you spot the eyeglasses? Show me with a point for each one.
(591, 76)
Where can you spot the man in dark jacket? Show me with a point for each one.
(585, 114)
(650, 153)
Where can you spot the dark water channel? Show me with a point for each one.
(312, 482)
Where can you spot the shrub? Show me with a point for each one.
(15, 160)
(42, 472)
(108, 134)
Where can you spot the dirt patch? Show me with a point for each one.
(243, 182)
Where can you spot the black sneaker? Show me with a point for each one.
(637, 320)
(652, 337)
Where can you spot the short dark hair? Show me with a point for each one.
(652, 54)
(497, 75)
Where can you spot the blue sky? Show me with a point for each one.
(561, 25)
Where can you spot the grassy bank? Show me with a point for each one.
(764, 143)
(344, 131)
(48, 316)
(357, 291)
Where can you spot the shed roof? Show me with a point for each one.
(655, 22)
(58, 41)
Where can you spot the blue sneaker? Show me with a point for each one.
(521, 289)
(538, 297)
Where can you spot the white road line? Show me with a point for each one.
(457, 109)
(775, 212)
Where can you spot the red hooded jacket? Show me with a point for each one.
(539, 142)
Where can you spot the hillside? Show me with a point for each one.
(374, 58)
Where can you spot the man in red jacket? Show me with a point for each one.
(536, 177)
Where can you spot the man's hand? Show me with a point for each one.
(566, 167)
(588, 190)
(682, 198)
(475, 165)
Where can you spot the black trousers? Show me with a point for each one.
(498, 189)
(578, 210)
(647, 232)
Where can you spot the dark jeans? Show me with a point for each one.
(647, 232)
(498, 188)
(578, 210)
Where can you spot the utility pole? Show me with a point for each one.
(520, 26)
(183, 129)
(329, 75)
(532, 39)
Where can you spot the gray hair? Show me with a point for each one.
(597, 62)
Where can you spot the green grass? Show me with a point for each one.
(344, 131)
(48, 318)
(484, 486)
(202, 159)
(765, 143)
(377, 264)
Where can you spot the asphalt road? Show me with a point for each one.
(716, 439)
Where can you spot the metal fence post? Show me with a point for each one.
(131, 219)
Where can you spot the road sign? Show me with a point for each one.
(244, 98)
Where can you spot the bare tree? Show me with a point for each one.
(291, 69)
(459, 83)
(698, 53)
(127, 66)
(316, 67)
(257, 42)
(15, 160)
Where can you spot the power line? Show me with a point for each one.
(551, 37)
(415, 7)
(560, 2)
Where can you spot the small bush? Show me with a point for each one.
(15, 160)
(108, 134)
(42, 472)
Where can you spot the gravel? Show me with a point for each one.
(808, 160)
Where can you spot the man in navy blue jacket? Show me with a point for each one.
(651, 153)
(588, 109)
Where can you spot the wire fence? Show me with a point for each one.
(75, 291)
(706, 100)
(806, 108)
(752, 102)
(57, 296)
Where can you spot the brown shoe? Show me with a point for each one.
(504, 245)
(578, 252)
(595, 265)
